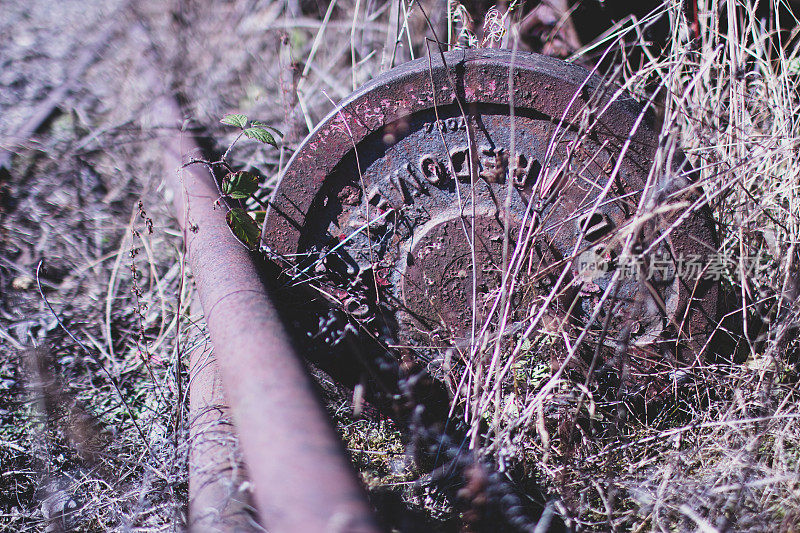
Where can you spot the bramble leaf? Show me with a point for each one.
(240, 185)
(258, 216)
(262, 135)
(259, 124)
(235, 119)
(244, 227)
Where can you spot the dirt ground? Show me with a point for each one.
(95, 300)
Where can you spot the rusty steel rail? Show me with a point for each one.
(216, 500)
(302, 478)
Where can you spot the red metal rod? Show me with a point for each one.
(215, 475)
(302, 478)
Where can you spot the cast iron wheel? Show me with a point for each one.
(398, 204)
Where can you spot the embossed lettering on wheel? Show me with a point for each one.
(399, 212)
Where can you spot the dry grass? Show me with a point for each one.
(726, 458)
(722, 461)
(723, 457)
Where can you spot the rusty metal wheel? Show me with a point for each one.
(413, 197)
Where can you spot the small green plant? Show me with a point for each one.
(241, 185)
(257, 130)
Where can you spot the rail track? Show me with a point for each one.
(398, 221)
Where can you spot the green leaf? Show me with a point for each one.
(244, 227)
(259, 124)
(262, 135)
(240, 185)
(526, 345)
(235, 119)
(258, 216)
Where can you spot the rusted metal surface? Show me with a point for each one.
(542, 84)
(301, 476)
(218, 500)
(431, 169)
